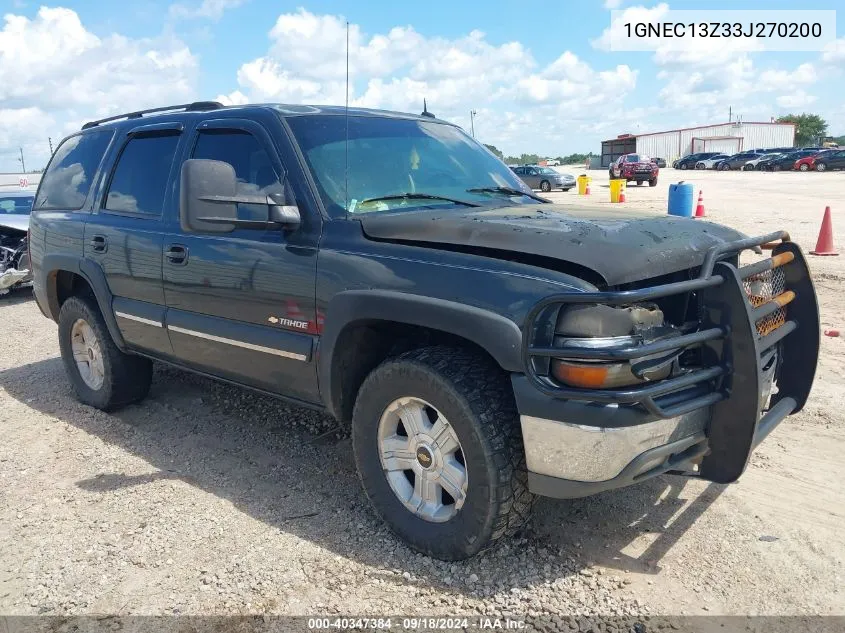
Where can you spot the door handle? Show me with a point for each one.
(177, 254)
(99, 244)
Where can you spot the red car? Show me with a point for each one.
(635, 167)
(808, 163)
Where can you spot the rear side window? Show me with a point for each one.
(68, 180)
(139, 182)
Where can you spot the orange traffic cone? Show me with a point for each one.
(587, 190)
(622, 196)
(824, 245)
(699, 209)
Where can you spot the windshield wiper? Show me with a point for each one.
(410, 195)
(508, 191)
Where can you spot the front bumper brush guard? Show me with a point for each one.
(733, 350)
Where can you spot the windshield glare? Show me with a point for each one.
(16, 205)
(391, 156)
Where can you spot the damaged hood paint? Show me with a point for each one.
(17, 222)
(620, 245)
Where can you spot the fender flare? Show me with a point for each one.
(93, 274)
(496, 334)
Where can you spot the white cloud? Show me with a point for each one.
(834, 52)
(306, 63)
(797, 99)
(208, 9)
(52, 65)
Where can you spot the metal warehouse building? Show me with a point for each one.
(729, 138)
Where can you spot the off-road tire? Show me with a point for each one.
(545, 186)
(476, 398)
(126, 378)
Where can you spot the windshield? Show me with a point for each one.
(635, 158)
(391, 157)
(16, 205)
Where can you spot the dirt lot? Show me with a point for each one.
(210, 499)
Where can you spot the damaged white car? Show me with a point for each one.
(15, 207)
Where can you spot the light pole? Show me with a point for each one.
(20, 160)
(472, 114)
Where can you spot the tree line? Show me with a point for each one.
(533, 159)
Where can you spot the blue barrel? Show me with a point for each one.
(680, 199)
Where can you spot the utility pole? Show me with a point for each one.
(50, 141)
(730, 113)
(23, 164)
(472, 114)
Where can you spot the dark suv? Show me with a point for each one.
(484, 344)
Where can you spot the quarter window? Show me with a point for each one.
(140, 177)
(252, 164)
(68, 179)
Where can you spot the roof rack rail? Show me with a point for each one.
(196, 106)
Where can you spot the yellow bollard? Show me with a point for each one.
(583, 184)
(617, 186)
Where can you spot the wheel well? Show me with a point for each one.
(62, 285)
(363, 345)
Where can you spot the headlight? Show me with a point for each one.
(606, 327)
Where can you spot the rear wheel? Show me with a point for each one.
(639, 183)
(439, 451)
(545, 186)
(748, 168)
(653, 182)
(102, 376)
(803, 167)
(821, 166)
(723, 167)
(700, 166)
(776, 167)
(683, 165)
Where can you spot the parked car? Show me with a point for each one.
(689, 161)
(635, 167)
(808, 163)
(15, 207)
(710, 163)
(752, 164)
(785, 161)
(552, 162)
(737, 161)
(834, 160)
(440, 315)
(544, 178)
(660, 162)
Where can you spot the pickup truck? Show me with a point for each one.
(484, 345)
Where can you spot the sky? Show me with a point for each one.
(539, 76)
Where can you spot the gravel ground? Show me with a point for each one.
(207, 498)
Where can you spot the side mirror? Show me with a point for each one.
(209, 201)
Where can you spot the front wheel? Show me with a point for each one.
(567, 188)
(653, 182)
(102, 376)
(723, 167)
(438, 447)
(821, 166)
(803, 167)
(683, 165)
(748, 168)
(776, 168)
(545, 186)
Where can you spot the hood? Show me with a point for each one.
(621, 246)
(11, 221)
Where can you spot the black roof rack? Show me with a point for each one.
(196, 106)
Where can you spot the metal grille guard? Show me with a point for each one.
(735, 332)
